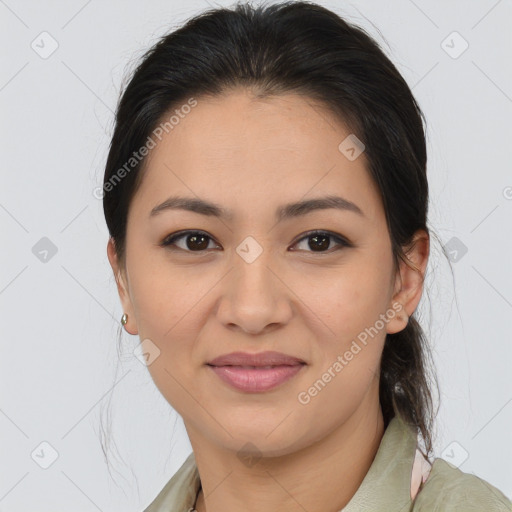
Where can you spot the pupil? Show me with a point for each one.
(320, 245)
(192, 239)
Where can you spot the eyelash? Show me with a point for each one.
(170, 240)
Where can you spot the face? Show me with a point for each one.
(252, 281)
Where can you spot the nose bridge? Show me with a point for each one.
(254, 296)
(252, 275)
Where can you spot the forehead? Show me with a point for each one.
(251, 153)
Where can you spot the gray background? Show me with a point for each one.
(60, 310)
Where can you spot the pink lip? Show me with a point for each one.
(254, 380)
(251, 372)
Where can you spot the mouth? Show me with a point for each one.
(267, 359)
(251, 367)
(256, 379)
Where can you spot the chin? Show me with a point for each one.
(271, 440)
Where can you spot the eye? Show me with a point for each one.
(198, 241)
(194, 241)
(319, 241)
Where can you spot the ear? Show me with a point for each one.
(122, 287)
(409, 281)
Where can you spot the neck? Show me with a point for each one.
(324, 476)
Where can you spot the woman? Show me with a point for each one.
(266, 198)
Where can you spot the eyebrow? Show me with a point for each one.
(283, 212)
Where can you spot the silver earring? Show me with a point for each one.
(124, 319)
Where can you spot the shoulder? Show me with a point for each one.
(180, 491)
(449, 489)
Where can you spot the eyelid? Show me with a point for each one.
(340, 240)
(169, 240)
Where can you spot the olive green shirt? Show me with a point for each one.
(386, 487)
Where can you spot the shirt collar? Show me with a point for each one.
(387, 483)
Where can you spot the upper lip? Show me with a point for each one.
(259, 359)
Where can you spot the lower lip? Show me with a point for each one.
(254, 380)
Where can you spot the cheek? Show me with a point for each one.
(171, 307)
(163, 294)
(350, 300)
(165, 315)
(347, 361)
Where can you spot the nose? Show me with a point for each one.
(255, 297)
